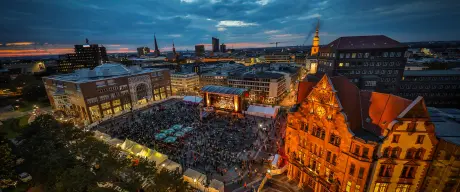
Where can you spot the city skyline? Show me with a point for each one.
(123, 26)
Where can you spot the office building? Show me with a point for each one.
(340, 138)
(278, 58)
(185, 83)
(215, 45)
(371, 62)
(90, 95)
(264, 87)
(199, 50)
(142, 51)
(223, 48)
(85, 56)
(439, 88)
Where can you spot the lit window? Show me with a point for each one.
(340, 64)
(348, 189)
(347, 55)
(402, 188)
(385, 54)
(341, 55)
(381, 187)
(366, 55)
(353, 55)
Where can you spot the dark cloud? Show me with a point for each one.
(188, 22)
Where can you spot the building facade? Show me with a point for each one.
(184, 83)
(371, 62)
(440, 88)
(278, 58)
(263, 87)
(339, 138)
(85, 56)
(223, 48)
(105, 91)
(199, 50)
(142, 51)
(215, 45)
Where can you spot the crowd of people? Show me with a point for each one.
(217, 143)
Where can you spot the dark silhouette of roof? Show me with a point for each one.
(364, 42)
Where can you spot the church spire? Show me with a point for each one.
(315, 45)
(174, 49)
(157, 51)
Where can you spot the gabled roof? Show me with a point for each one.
(364, 42)
(417, 109)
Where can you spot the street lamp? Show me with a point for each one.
(260, 125)
(269, 171)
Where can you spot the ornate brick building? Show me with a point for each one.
(339, 138)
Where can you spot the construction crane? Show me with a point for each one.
(276, 43)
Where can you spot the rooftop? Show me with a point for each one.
(447, 123)
(364, 42)
(431, 73)
(262, 75)
(104, 71)
(223, 90)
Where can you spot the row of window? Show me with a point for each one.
(365, 55)
(411, 153)
(429, 86)
(377, 72)
(371, 64)
(447, 78)
(408, 171)
(383, 187)
(430, 94)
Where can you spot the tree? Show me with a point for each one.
(170, 181)
(61, 157)
(7, 164)
(33, 91)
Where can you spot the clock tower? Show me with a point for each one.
(315, 45)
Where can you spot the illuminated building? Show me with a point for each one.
(439, 88)
(106, 91)
(374, 62)
(215, 45)
(199, 50)
(85, 56)
(278, 58)
(142, 51)
(343, 139)
(315, 45)
(184, 82)
(224, 98)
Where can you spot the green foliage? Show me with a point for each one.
(7, 165)
(170, 181)
(33, 91)
(61, 157)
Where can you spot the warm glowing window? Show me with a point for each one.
(116, 102)
(340, 64)
(402, 188)
(348, 188)
(381, 187)
(105, 105)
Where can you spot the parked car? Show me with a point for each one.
(25, 177)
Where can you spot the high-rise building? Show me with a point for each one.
(199, 50)
(340, 138)
(223, 48)
(215, 45)
(371, 62)
(157, 50)
(85, 56)
(107, 90)
(142, 51)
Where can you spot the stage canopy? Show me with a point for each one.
(262, 111)
(195, 178)
(223, 90)
(192, 99)
(171, 165)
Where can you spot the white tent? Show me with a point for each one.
(262, 111)
(195, 179)
(115, 142)
(171, 165)
(157, 157)
(193, 99)
(102, 136)
(216, 186)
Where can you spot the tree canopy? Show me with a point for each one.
(61, 157)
